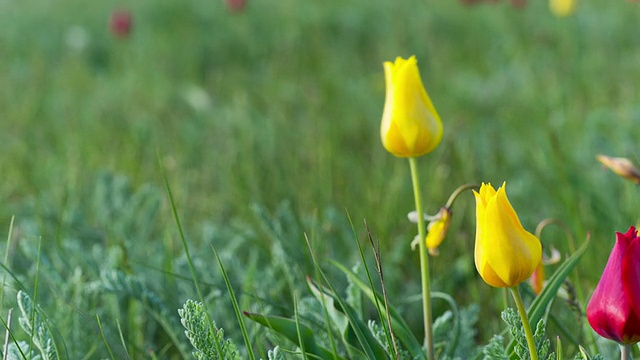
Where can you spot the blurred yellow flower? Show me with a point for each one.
(410, 126)
(505, 253)
(562, 8)
(621, 166)
(438, 229)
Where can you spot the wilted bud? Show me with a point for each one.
(621, 166)
(438, 229)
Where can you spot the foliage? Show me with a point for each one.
(203, 334)
(496, 349)
(265, 146)
(34, 324)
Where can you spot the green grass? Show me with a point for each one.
(267, 122)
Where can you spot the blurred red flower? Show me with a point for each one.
(236, 5)
(121, 23)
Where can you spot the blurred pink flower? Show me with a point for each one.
(121, 23)
(236, 5)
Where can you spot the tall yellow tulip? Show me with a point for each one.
(505, 253)
(411, 127)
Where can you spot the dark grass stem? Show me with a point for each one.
(325, 311)
(296, 316)
(388, 332)
(525, 322)
(236, 308)
(424, 262)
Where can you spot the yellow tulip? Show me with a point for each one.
(410, 126)
(505, 253)
(438, 229)
(562, 8)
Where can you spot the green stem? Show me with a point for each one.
(525, 322)
(625, 352)
(424, 262)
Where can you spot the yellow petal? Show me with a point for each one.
(438, 230)
(505, 253)
(410, 126)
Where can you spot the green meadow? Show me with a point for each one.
(265, 124)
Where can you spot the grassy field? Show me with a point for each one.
(267, 123)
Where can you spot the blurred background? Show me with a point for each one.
(265, 116)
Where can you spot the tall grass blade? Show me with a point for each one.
(298, 332)
(236, 308)
(6, 260)
(400, 327)
(104, 338)
(368, 343)
(371, 347)
(185, 247)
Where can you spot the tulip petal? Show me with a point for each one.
(410, 124)
(515, 252)
(631, 284)
(505, 253)
(610, 311)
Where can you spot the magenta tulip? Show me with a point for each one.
(614, 308)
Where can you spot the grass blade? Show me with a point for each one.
(400, 327)
(104, 338)
(236, 308)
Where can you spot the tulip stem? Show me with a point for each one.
(525, 322)
(424, 262)
(625, 352)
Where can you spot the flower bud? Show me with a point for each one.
(438, 229)
(505, 253)
(410, 125)
(621, 166)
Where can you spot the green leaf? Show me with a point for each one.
(400, 328)
(288, 328)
